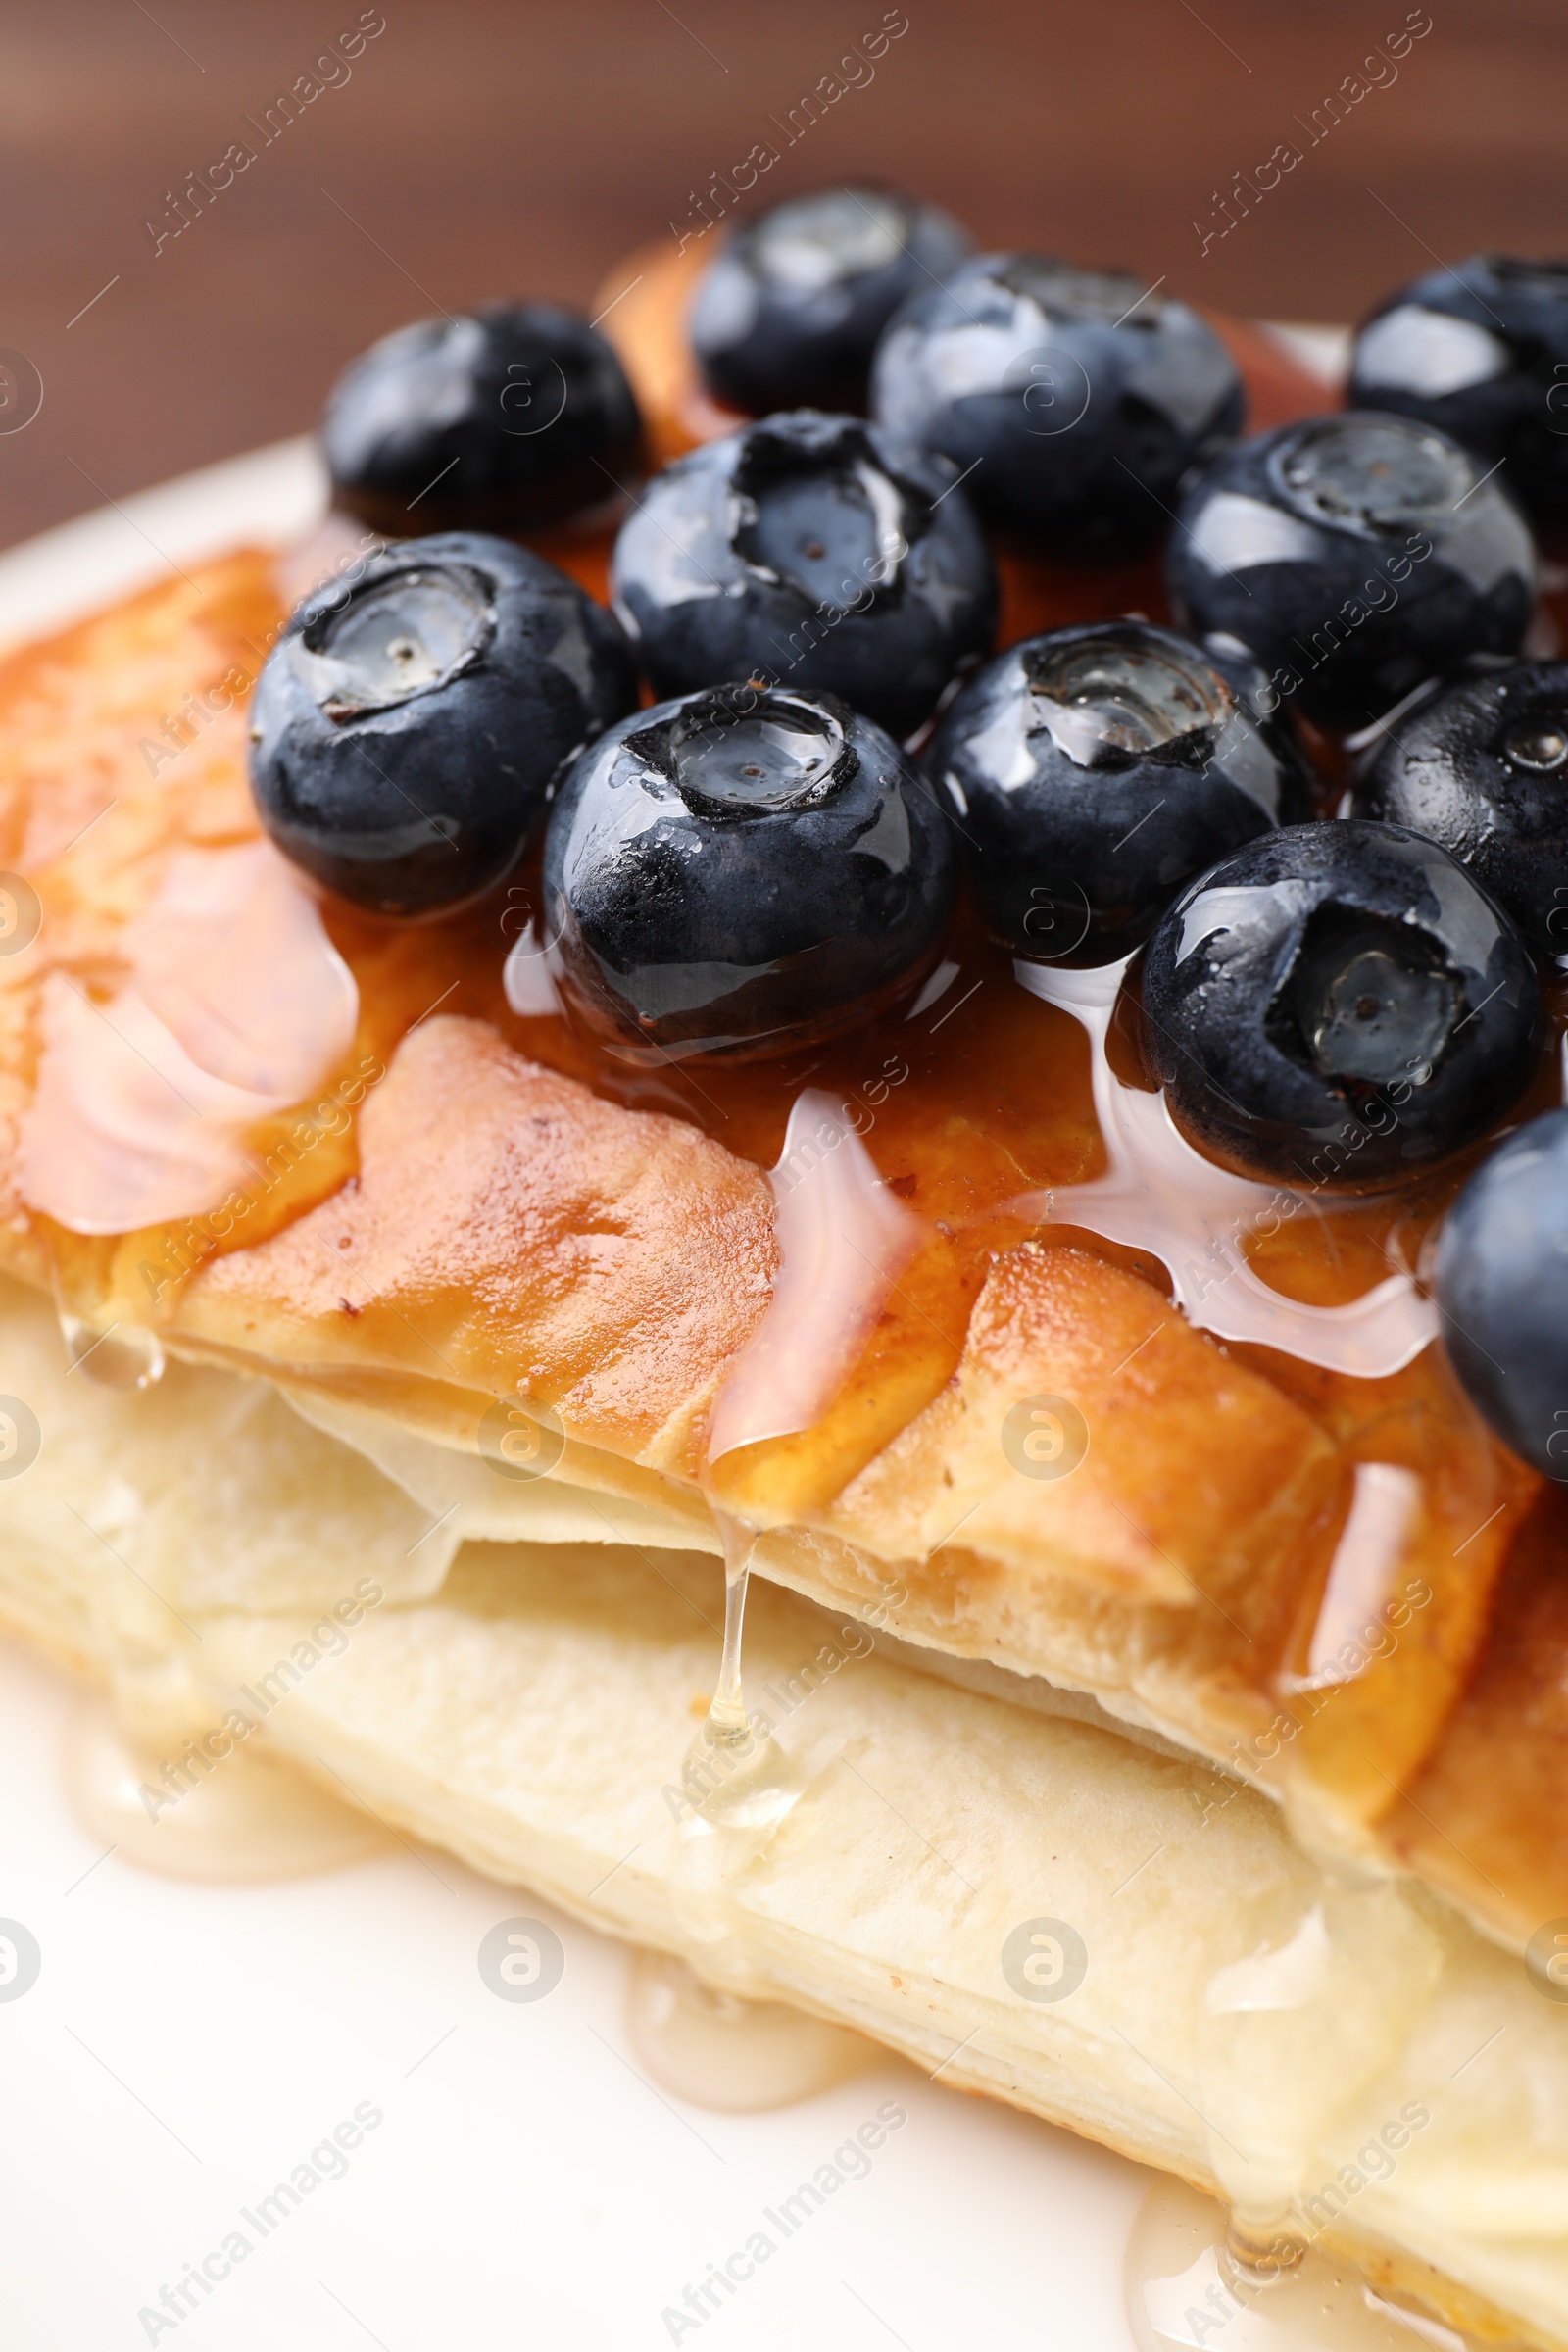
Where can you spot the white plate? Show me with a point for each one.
(270, 499)
(184, 2047)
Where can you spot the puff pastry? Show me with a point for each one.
(1074, 1674)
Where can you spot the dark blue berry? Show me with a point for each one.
(1079, 399)
(812, 551)
(742, 871)
(789, 314)
(1483, 768)
(1337, 1004)
(1094, 771)
(405, 729)
(1501, 1281)
(501, 420)
(1356, 556)
(1480, 351)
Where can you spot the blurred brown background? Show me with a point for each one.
(486, 147)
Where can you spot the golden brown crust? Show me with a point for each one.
(1184, 1472)
(1486, 1818)
(509, 1234)
(83, 813)
(1160, 1571)
(121, 745)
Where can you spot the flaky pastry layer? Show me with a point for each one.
(1244, 2016)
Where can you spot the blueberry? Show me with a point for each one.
(1337, 1004)
(1481, 352)
(405, 729)
(1079, 399)
(1356, 556)
(742, 871)
(1483, 768)
(812, 551)
(1095, 770)
(1502, 1282)
(789, 314)
(499, 421)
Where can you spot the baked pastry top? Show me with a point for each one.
(1005, 1392)
(472, 1210)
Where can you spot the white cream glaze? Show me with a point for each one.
(843, 1241)
(237, 1005)
(1161, 1195)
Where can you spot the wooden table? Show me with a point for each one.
(491, 147)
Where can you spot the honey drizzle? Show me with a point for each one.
(738, 1779)
(726, 1716)
(1163, 1195)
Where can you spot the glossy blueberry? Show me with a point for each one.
(741, 871)
(1356, 555)
(1079, 399)
(812, 551)
(1483, 768)
(1502, 1282)
(505, 418)
(789, 314)
(1337, 1004)
(1481, 352)
(1093, 771)
(403, 728)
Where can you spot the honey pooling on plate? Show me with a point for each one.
(168, 1787)
(1183, 2269)
(733, 2055)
